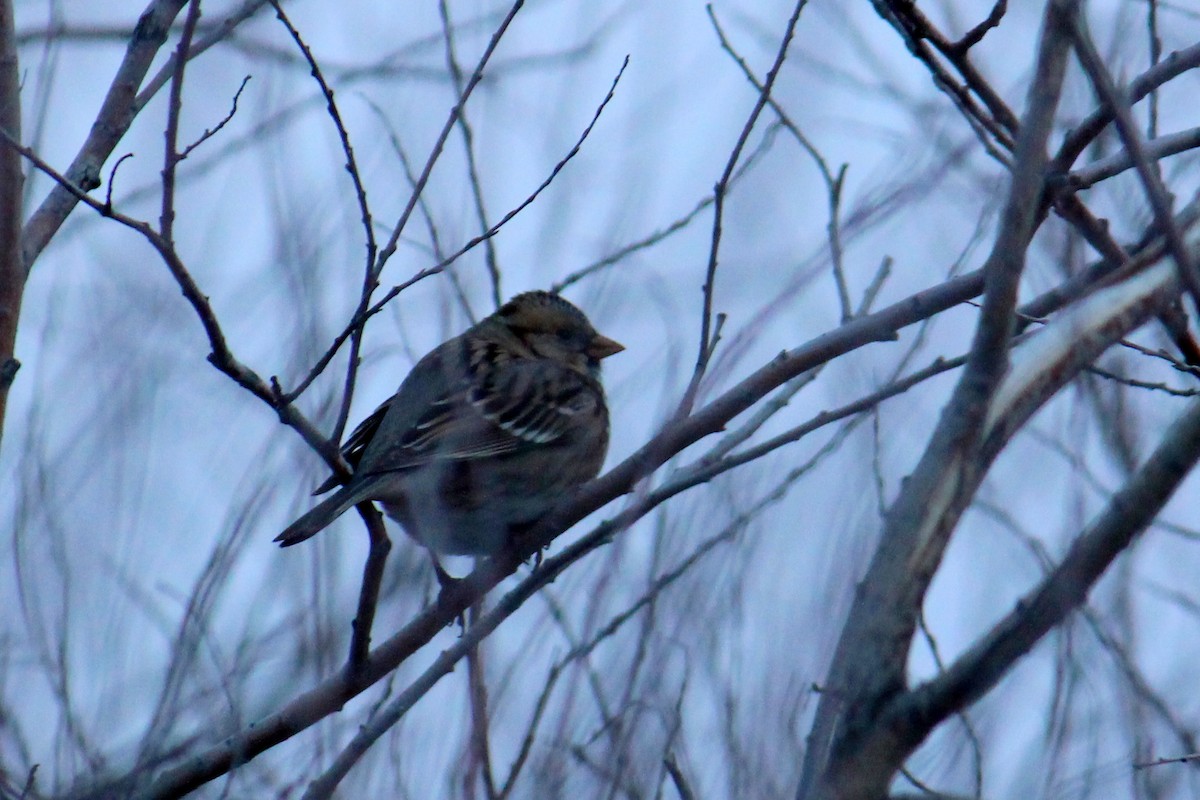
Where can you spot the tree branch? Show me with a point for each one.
(12, 181)
(1063, 591)
(116, 114)
(871, 655)
(704, 351)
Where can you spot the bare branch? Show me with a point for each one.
(976, 34)
(1158, 762)
(923, 38)
(677, 779)
(363, 315)
(468, 135)
(833, 184)
(213, 35)
(1160, 201)
(1166, 145)
(214, 130)
(116, 114)
(1040, 369)
(1077, 140)
(12, 182)
(719, 192)
(870, 659)
(364, 210)
(650, 240)
(480, 763)
(220, 356)
(1128, 513)
(166, 224)
(368, 598)
(477, 75)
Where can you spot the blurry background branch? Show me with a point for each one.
(896, 243)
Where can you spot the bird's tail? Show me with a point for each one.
(319, 517)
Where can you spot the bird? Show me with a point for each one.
(485, 434)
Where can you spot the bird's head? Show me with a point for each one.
(550, 327)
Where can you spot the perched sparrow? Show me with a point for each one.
(485, 434)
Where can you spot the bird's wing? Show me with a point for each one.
(428, 380)
(356, 444)
(520, 405)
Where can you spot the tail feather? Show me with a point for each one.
(316, 519)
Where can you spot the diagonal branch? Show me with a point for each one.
(1064, 590)
(469, 149)
(871, 655)
(1168, 144)
(1041, 368)
(220, 355)
(331, 695)
(440, 143)
(115, 117)
(367, 312)
(1147, 170)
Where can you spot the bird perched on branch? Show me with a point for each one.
(485, 434)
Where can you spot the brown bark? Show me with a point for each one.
(12, 271)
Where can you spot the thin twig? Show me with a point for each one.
(1156, 193)
(464, 127)
(220, 356)
(674, 227)
(435, 154)
(480, 745)
(833, 183)
(976, 34)
(719, 192)
(361, 317)
(112, 177)
(364, 210)
(677, 778)
(1158, 762)
(30, 783)
(166, 219)
(112, 122)
(1133, 383)
(435, 237)
(214, 130)
(212, 35)
(1083, 134)
(995, 125)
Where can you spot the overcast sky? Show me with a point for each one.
(135, 465)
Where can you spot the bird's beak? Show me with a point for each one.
(603, 347)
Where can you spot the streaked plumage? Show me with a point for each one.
(485, 434)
